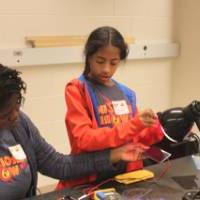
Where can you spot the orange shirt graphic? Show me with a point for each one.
(10, 167)
(108, 117)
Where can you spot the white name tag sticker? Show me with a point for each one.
(120, 107)
(17, 152)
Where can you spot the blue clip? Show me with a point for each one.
(101, 195)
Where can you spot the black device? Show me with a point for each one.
(177, 123)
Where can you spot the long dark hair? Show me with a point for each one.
(10, 84)
(102, 37)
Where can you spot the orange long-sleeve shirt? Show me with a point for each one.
(85, 135)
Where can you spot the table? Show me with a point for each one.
(182, 176)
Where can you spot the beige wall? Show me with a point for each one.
(147, 20)
(186, 69)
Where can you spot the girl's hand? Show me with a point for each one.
(148, 117)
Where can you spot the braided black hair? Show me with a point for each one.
(10, 84)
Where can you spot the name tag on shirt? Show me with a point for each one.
(17, 152)
(120, 107)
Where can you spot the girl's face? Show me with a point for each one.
(103, 64)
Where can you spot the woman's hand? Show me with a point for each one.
(129, 152)
(148, 117)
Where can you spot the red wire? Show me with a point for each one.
(165, 170)
(90, 190)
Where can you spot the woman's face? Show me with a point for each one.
(9, 114)
(103, 64)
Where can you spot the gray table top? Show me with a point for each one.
(183, 175)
